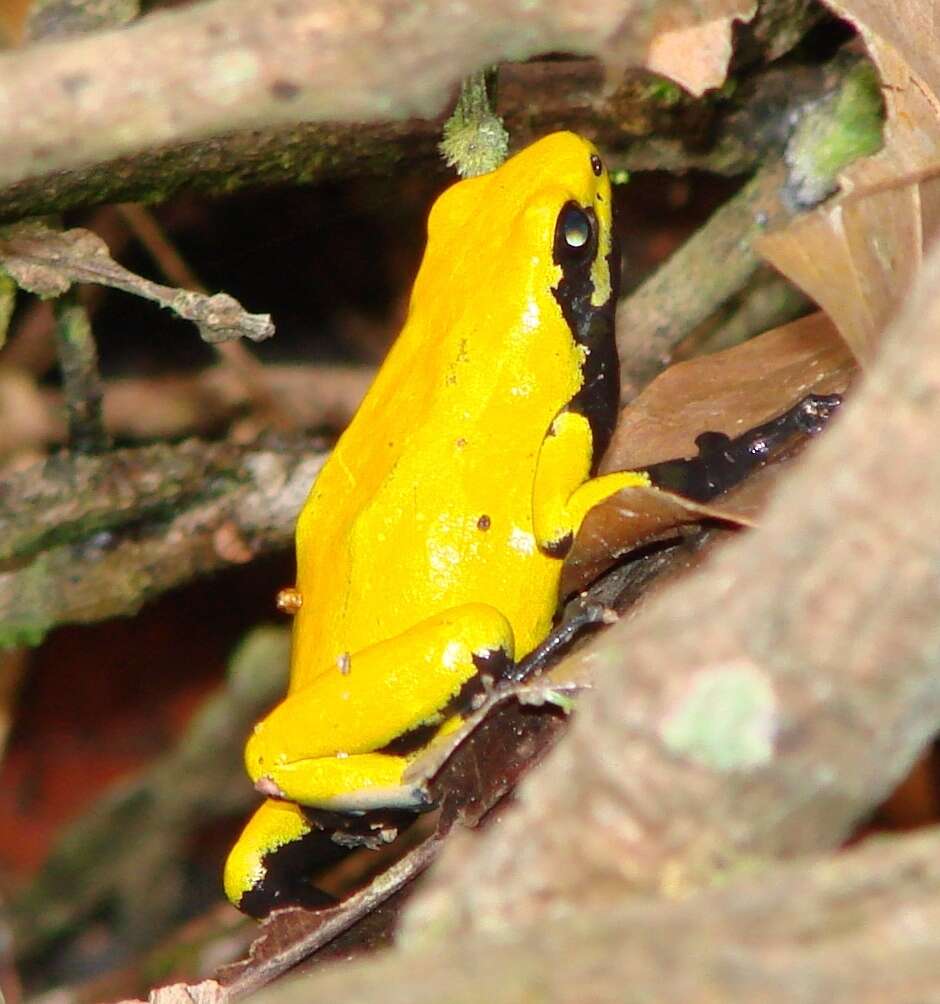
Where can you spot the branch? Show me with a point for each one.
(861, 928)
(144, 226)
(633, 123)
(688, 288)
(240, 65)
(170, 407)
(103, 561)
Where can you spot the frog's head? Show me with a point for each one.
(544, 211)
(521, 265)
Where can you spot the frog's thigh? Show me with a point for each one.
(324, 738)
(562, 495)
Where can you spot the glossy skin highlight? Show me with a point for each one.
(432, 541)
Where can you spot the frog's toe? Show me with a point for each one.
(267, 786)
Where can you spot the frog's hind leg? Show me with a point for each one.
(267, 866)
(344, 741)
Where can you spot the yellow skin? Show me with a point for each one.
(435, 533)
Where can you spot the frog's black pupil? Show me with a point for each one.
(577, 227)
(596, 165)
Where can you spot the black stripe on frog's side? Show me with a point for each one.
(592, 326)
(284, 882)
(411, 741)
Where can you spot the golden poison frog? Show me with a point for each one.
(430, 548)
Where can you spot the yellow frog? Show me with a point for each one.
(430, 548)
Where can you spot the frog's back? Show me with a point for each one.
(426, 502)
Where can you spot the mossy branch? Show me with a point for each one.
(93, 537)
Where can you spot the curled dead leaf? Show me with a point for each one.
(857, 255)
(696, 56)
(728, 392)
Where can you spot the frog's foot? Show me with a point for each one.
(266, 867)
(343, 741)
(345, 783)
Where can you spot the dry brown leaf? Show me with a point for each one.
(729, 392)
(858, 255)
(47, 262)
(696, 56)
(627, 521)
(206, 992)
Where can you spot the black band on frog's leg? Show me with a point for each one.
(598, 399)
(492, 665)
(723, 462)
(283, 883)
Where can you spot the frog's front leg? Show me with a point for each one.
(564, 492)
(342, 741)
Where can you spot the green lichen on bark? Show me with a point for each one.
(725, 722)
(838, 130)
(7, 302)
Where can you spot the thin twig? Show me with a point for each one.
(177, 271)
(47, 262)
(81, 382)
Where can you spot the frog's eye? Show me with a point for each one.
(576, 227)
(575, 234)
